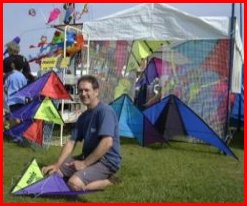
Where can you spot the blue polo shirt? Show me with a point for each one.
(13, 83)
(95, 124)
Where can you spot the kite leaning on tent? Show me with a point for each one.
(172, 118)
(133, 123)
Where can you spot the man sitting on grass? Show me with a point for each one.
(98, 128)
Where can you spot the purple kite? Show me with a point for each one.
(48, 85)
(50, 186)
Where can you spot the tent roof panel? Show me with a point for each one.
(162, 21)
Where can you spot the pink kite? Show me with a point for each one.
(54, 15)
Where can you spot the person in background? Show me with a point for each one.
(98, 128)
(13, 83)
(21, 63)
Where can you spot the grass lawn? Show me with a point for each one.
(180, 172)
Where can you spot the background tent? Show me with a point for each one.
(133, 123)
(174, 118)
(200, 78)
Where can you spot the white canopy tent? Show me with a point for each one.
(163, 22)
(159, 21)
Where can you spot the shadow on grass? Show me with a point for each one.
(23, 143)
(194, 149)
(132, 141)
(237, 140)
(54, 198)
(128, 141)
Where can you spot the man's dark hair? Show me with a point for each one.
(89, 78)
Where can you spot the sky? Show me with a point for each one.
(31, 28)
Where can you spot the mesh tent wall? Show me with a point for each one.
(237, 112)
(194, 52)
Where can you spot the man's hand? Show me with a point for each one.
(77, 165)
(50, 169)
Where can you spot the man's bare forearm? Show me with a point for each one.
(104, 145)
(66, 151)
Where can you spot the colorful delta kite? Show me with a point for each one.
(33, 183)
(41, 110)
(52, 185)
(32, 117)
(48, 85)
(38, 109)
(133, 123)
(171, 117)
(31, 175)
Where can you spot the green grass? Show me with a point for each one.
(180, 172)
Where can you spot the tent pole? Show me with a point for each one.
(231, 55)
(240, 99)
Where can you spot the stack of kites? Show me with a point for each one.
(40, 110)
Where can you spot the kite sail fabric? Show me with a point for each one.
(77, 45)
(16, 131)
(34, 133)
(27, 111)
(133, 123)
(30, 176)
(172, 118)
(49, 186)
(31, 130)
(152, 71)
(38, 109)
(48, 85)
(48, 112)
(141, 49)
